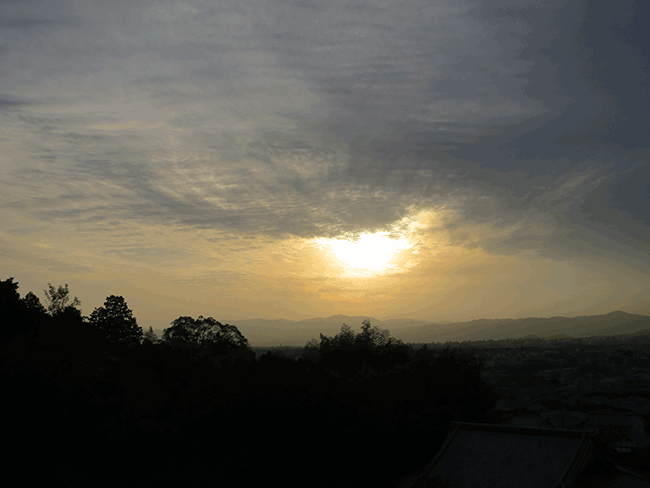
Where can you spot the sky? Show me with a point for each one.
(425, 159)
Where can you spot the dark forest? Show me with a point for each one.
(94, 400)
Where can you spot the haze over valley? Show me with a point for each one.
(263, 332)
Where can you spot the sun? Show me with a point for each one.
(368, 254)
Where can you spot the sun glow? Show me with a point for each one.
(368, 254)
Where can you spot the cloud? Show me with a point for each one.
(521, 124)
(403, 99)
(7, 104)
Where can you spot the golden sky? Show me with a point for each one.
(431, 160)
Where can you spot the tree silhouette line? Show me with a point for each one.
(97, 400)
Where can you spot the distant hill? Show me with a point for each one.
(559, 336)
(339, 319)
(401, 323)
(275, 332)
(613, 323)
(262, 332)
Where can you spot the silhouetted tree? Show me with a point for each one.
(372, 347)
(68, 325)
(13, 313)
(372, 338)
(116, 321)
(58, 299)
(150, 336)
(207, 338)
(33, 304)
(311, 351)
(9, 293)
(204, 331)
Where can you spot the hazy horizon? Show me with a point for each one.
(427, 160)
(269, 333)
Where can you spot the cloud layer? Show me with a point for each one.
(152, 133)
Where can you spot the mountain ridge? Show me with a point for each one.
(267, 332)
(612, 323)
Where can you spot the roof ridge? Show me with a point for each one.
(530, 431)
(574, 465)
(445, 445)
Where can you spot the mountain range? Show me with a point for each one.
(275, 332)
(613, 323)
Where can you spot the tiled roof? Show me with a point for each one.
(569, 418)
(535, 421)
(629, 405)
(617, 480)
(507, 404)
(484, 455)
(633, 421)
(480, 455)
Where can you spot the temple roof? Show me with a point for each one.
(485, 455)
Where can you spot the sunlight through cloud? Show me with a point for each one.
(368, 254)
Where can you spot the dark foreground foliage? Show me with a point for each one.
(82, 408)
